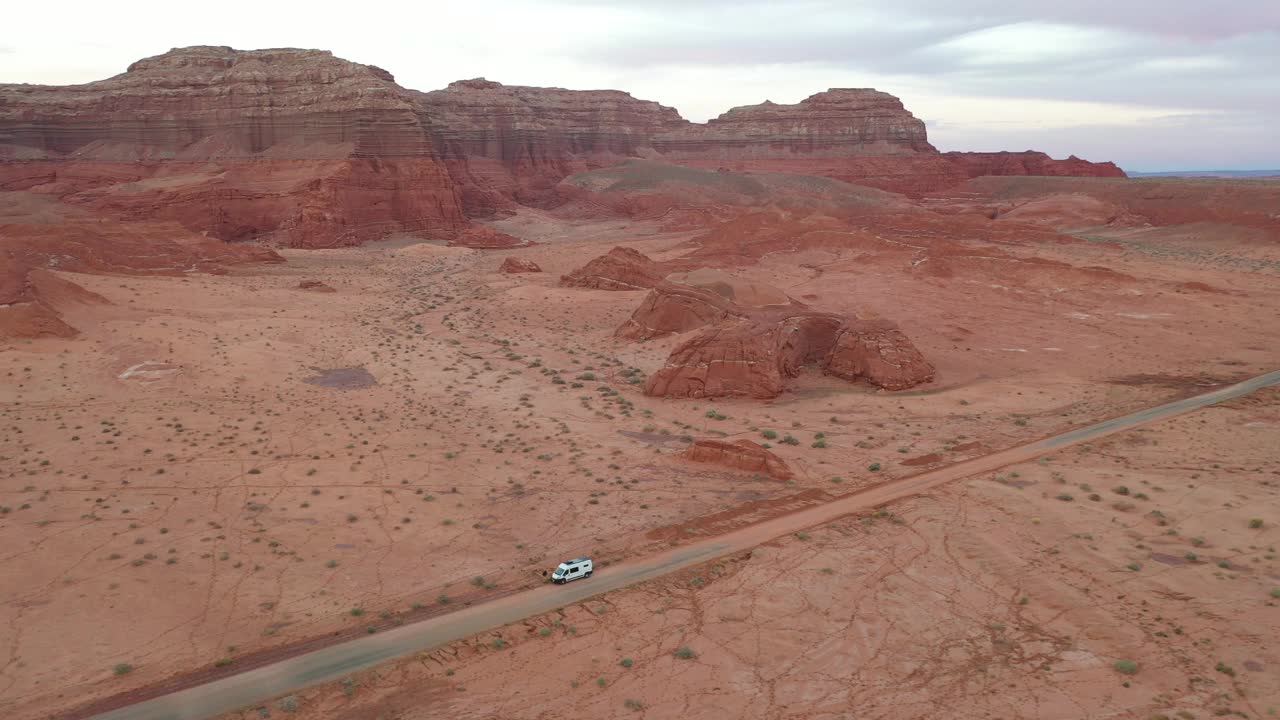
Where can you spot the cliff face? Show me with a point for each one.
(840, 123)
(305, 149)
(511, 144)
(978, 164)
(295, 146)
(209, 103)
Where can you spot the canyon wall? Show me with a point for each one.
(300, 148)
(292, 146)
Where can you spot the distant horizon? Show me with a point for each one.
(1151, 86)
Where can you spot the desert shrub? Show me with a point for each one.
(122, 669)
(1255, 523)
(769, 434)
(633, 704)
(288, 703)
(684, 652)
(1128, 667)
(874, 467)
(626, 662)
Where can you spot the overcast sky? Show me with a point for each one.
(1150, 84)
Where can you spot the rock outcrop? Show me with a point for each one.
(621, 268)
(518, 265)
(754, 357)
(879, 353)
(507, 144)
(293, 146)
(841, 122)
(32, 299)
(739, 455)
(978, 164)
(481, 237)
(673, 308)
(32, 302)
(300, 148)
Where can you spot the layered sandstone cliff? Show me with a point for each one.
(294, 146)
(507, 144)
(301, 148)
(979, 164)
(841, 122)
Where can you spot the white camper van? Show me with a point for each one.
(571, 570)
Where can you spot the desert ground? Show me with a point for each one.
(222, 469)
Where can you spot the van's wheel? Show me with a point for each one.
(589, 573)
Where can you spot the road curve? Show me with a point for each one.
(331, 663)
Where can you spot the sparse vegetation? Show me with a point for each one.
(1127, 667)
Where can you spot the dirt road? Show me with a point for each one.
(337, 661)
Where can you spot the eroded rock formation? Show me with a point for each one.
(753, 357)
(518, 265)
(481, 237)
(293, 146)
(301, 148)
(509, 144)
(673, 308)
(622, 268)
(739, 455)
(32, 299)
(978, 164)
(32, 302)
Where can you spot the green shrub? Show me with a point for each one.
(1255, 523)
(684, 652)
(1128, 667)
(122, 669)
(626, 662)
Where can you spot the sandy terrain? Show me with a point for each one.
(223, 469)
(1118, 579)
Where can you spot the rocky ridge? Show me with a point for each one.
(300, 148)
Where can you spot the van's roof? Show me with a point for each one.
(578, 560)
